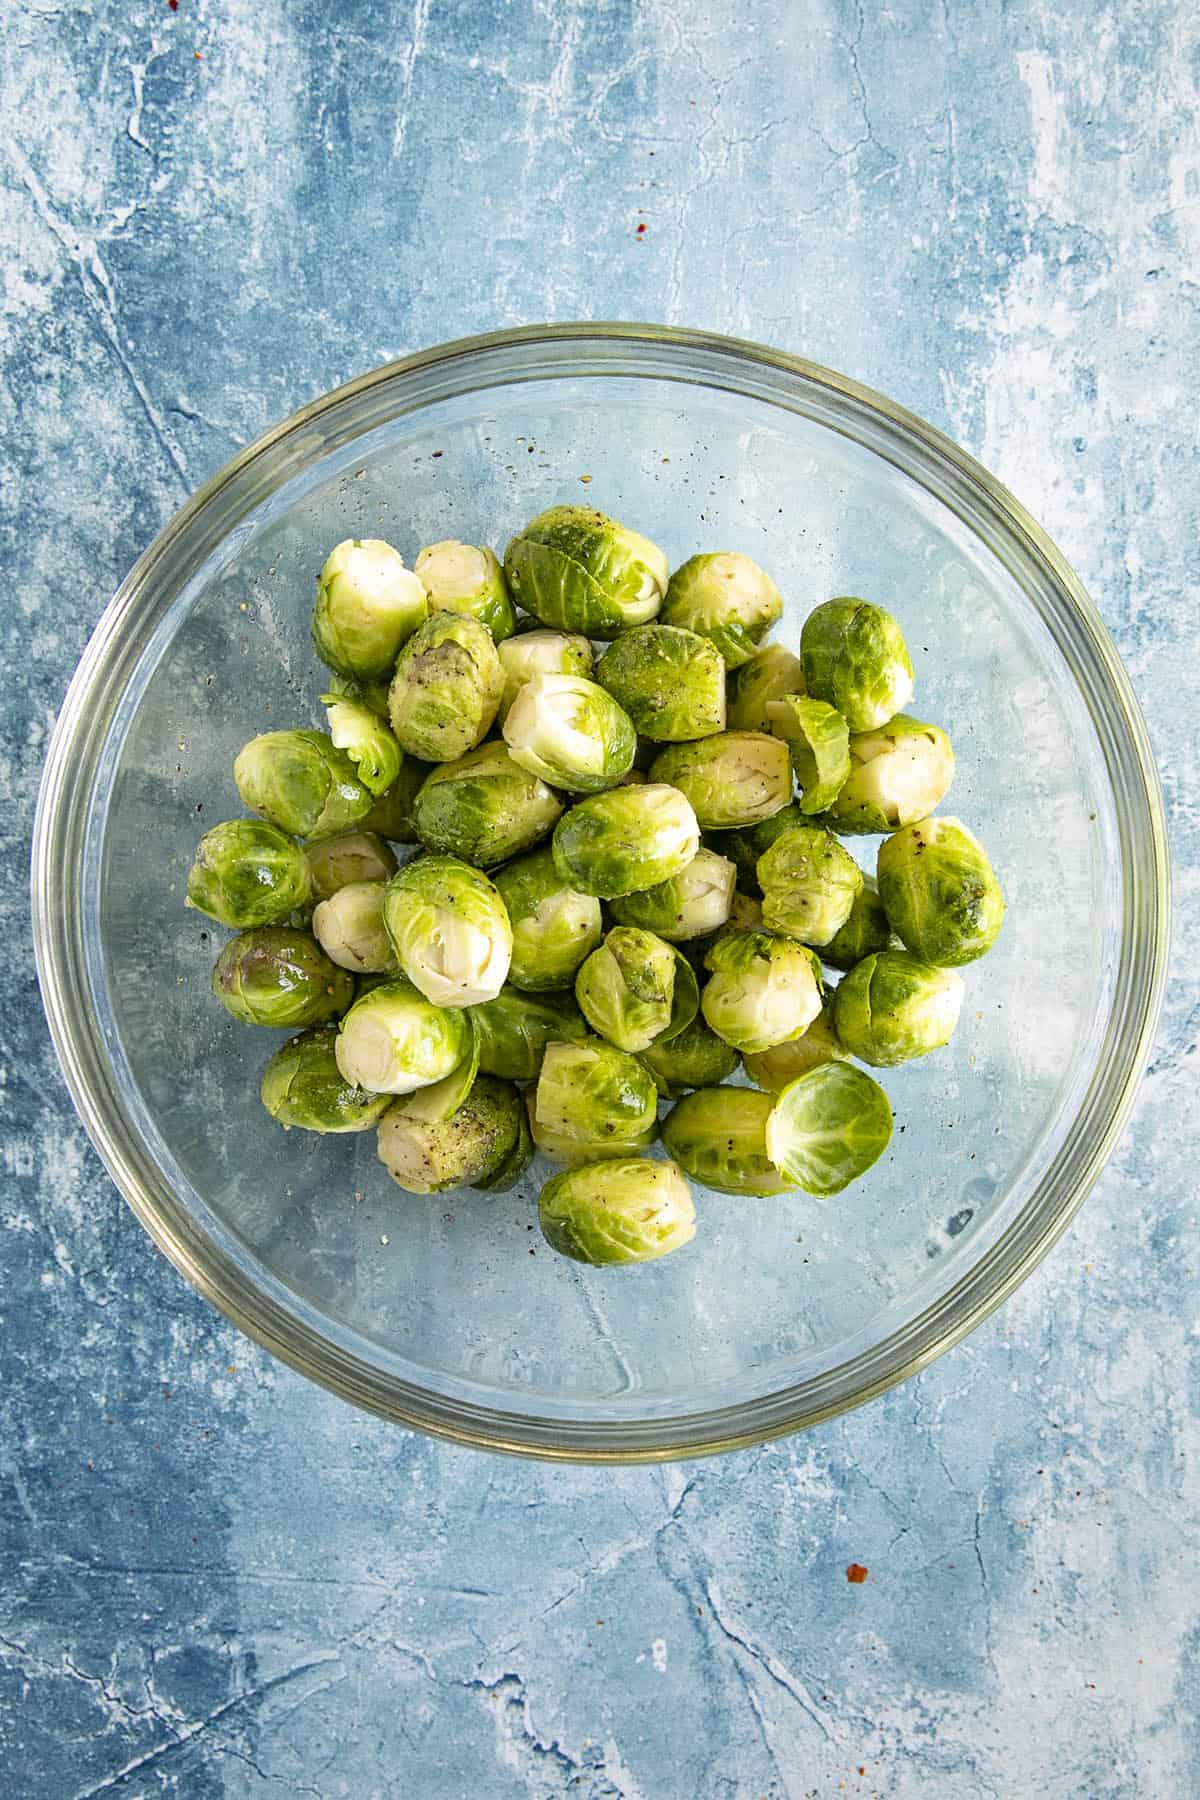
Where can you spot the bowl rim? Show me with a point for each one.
(81, 731)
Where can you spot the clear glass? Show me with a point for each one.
(449, 1313)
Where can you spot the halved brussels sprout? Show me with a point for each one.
(485, 807)
(277, 976)
(575, 1151)
(734, 778)
(349, 928)
(898, 774)
(892, 1007)
(540, 652)
(371, 694)
(626, 839)
(335, 862)
(627, 1211)
(462, 578)
(302, 1085)
(670, 682)
(571, 732)
(446, 688)
(248, 872)
(367, 740)
(809, 884)
(696, 1058)
(773, 1069)
(392, 814)
(449, 930)
(771, 674)
(819, 740)
(591, 1091)
(514, 1029)
(718, 1134)
(635, 988)
(368, 604)
(726, 597)
(940, 892)
(393, 1040)
(855, 658)
(301, 783)
(865, 931)
(579, 570)
(468, 1149)
(827, 1127)
(689, 905)
(554, 927)
(763, 989)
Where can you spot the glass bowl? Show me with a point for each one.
(449, 1313)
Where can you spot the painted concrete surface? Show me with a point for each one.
(217, 1581)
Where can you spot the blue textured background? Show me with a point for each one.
(214, 1579)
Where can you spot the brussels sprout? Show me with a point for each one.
(898, 774)
(485, 807)
(627, 1211)
(575, 1151)
(349, 928)
(809, 884)
(771, 674)
(302, 1085)
(514, 1029)
(734, 778)
(392, 815)
(248, 872)
(371, 694)
(468, 1149)
(635, 988)
(449, 930)
(892, 1007)
(335, 862)
(819, 743)
(301, 783)
(460, 578)
(696, 1058)
(581, 571)
(670, 682)
(277, 976)
(442, 1099)
(446, 688)
(718, 1134)
(393, 1040)
(629, 838)
(855, 658)
(367, 740)
(571, 732)
(865, 931)
(745, 913)
(553, 926)
(939, 892)
(826, 1128)
(539, 652)
(368, 604)
(725, 597)
(763, 989)
(517, 1160)
(590, 1090)
(741, 849)
(689, 905)
(773, 1069)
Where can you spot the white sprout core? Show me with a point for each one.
(451, 570)
(374, 575)
(457, 964)
(349, 928)
(904, 777)
(545, 722)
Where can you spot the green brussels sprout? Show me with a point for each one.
(939, 892)
(735, 778)
(276, 976)
(576, 1151)
(467, 1149)
(368, 604)
(819, 742)
(393, 1040)
(809, 883)
(392, 815)
(446, 688)
(335, 862)
(302, 1085)
(865, 931)
(670, 682)
(539, 652)
(726, 597)
(771, 674)
(579, 570)
(449, 930)
(350, 930)
(892, 1007)
(371, 694)
(689, 905)
(718, 1134)
(773, 1069)
(855, 658)
(485, 807)
(460, 578)
(553, 926)
(629, 838)
(636, 988)
(367, 740)
(442, 1099)
(696, 1058)
(898, 774)
(517, 1160)
(589, 1090)
(571, 732)
(628, 1211)
(827, 1127)
(301, 783)
(248, 872)
(514, 1029)
(763, 989)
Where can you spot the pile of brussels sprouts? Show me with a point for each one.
(629, 879)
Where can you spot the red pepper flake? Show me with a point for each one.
(641, 230)
(174, 5)
(856, 1573)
